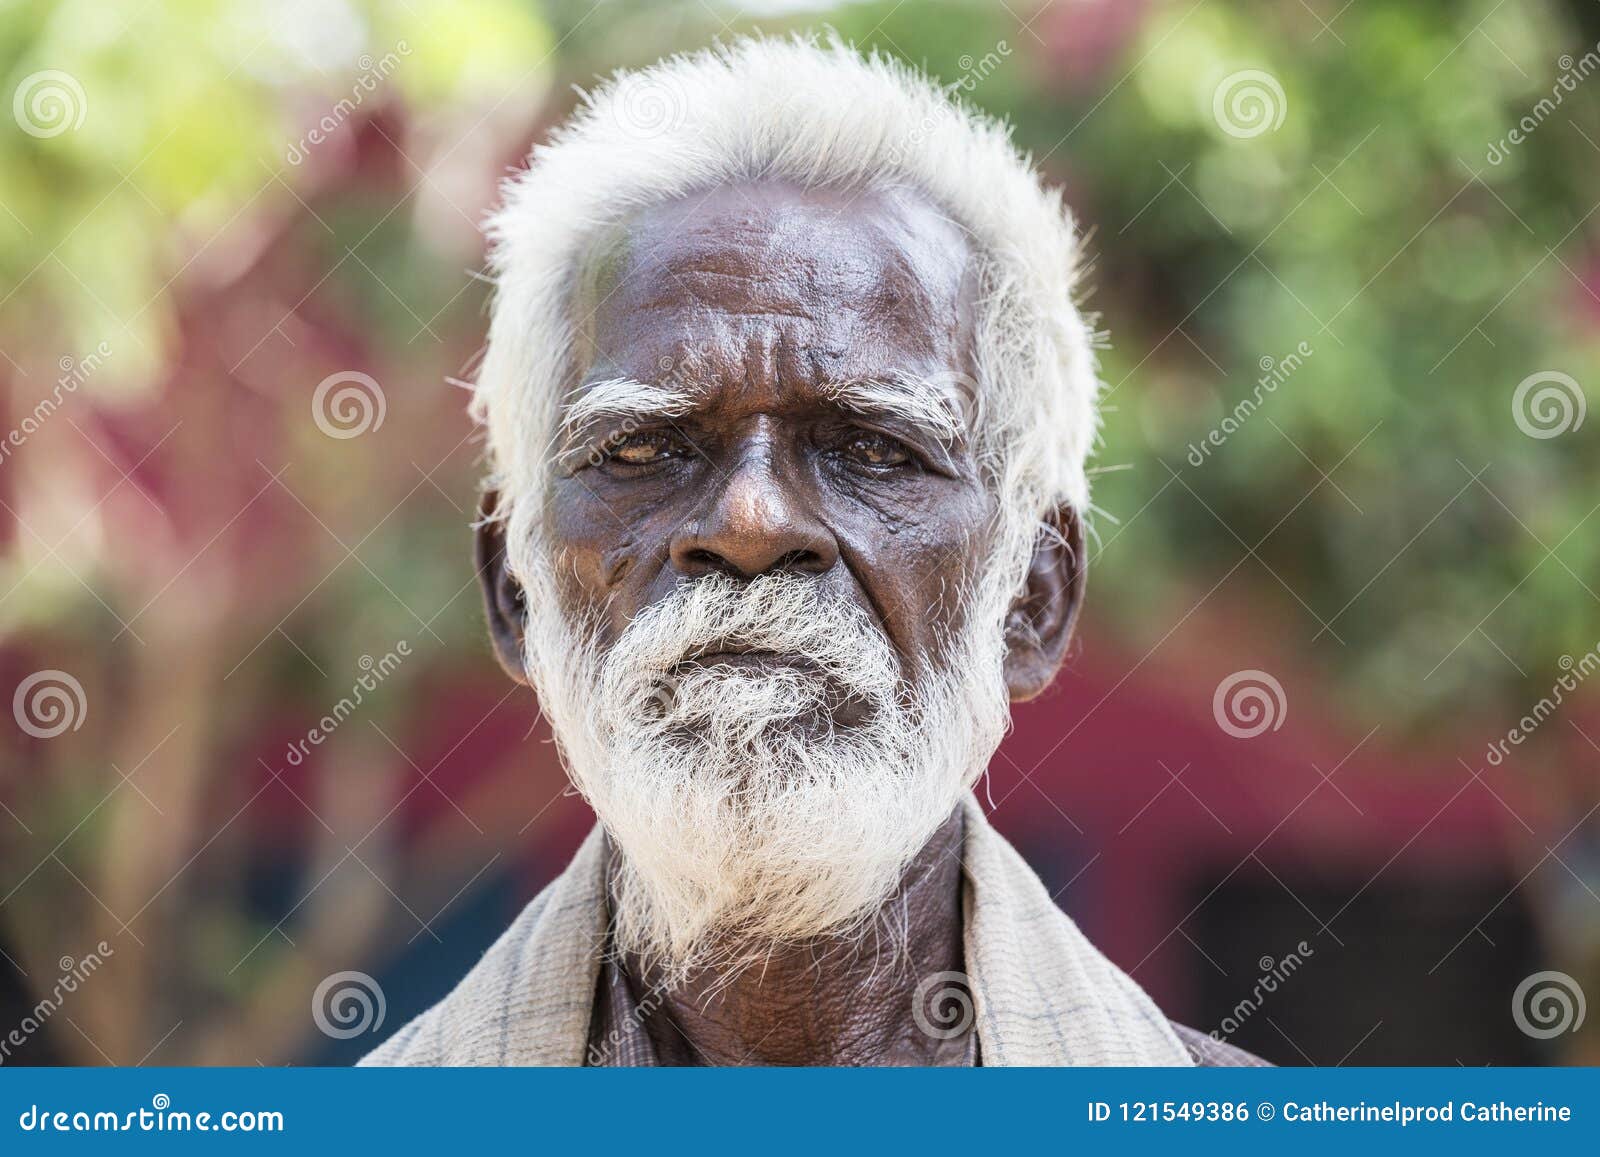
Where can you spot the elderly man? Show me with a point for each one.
(788, 407)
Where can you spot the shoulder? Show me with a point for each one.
(1208, 1052)
(530, 998)
(417, 1044)
(468, 1025)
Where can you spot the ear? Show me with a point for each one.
(503, 603)
(1039, 626)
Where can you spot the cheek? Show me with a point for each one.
(921, 560)
(596, 555)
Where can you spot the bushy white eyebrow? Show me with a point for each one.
(622, 400)
(921, 402)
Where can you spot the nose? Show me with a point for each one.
(757, 521)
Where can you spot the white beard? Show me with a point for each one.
(747, 815)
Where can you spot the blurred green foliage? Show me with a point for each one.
(1383, 500)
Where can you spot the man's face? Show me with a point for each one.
(784, 313)
(765, 618)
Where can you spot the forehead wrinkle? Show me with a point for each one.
(710, 246)
(757, 347)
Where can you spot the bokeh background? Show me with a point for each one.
(240, 272)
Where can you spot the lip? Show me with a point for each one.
(843, 710)
(750, 658)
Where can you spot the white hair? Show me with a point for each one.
(746, 811)
(818, 114)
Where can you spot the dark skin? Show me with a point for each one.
(762, 296)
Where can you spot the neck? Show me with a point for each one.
(830, 1001)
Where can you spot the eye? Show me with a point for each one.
(878, 451)
(642, 449)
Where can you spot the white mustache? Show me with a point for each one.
(845, 653)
